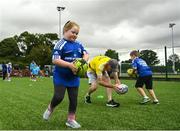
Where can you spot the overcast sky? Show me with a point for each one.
(122, 25)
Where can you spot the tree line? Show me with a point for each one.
(26, 47)
(22, 49)
(151, 59)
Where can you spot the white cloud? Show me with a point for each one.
(115, 24)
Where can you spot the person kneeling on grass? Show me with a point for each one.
(144, 77)
(99, 70)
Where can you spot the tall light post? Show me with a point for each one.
(59, 10)
(173, 60)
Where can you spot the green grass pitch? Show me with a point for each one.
(22, 103)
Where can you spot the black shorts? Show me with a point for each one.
(147, 80)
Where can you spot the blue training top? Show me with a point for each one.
(67, 51)
(4, 68)
(9, 69)
(35, 70)
(141, 66)
(32, 66)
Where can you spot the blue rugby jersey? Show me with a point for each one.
(9, 69)
(67, 51)
(4, 68)
(32, 66)
(35, 70)
(141, 66)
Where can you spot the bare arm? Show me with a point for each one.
(134, 71)
(116, 79)
(105, 84)
(86, 56)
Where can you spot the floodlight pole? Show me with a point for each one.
(172, 35)
(59, 10)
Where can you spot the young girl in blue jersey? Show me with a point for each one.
(64, 77)
(35, 72)
(144, 77)
(31, 67)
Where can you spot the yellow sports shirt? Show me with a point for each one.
(97, 64)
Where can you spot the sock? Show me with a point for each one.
(50, 108)
(156, 100)
(145, 97)
(71, 116)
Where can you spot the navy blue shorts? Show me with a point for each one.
(145, 80)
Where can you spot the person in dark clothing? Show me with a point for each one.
(4, 70)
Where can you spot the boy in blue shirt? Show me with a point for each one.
(144, 77)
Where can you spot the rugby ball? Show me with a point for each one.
(122, 89)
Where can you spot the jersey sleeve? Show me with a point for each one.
(58, 50)
(84, 51)
(134, 64)
(56, 54)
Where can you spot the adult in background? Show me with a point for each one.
(4, 70)
(9, 70)
(46, 71)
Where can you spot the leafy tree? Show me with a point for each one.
(41, 54)
(176, 59)
(112, 54)
(28, 46)
(9, 48)
(28, 40)
(150, 57)
(51, 39)
(31, 40)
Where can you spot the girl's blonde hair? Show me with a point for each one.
(69, 25)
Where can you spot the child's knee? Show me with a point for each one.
(59, 97)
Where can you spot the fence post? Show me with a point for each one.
(165, 50)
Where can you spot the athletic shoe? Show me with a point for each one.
(112, 103)
(155, 102)
(87, 99)
(145, 100)
(73, 124)
(47, 114)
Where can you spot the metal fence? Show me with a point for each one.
(165, 69)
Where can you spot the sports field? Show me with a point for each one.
(22, 103)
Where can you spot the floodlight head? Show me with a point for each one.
(60, 8)
(171, 25)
